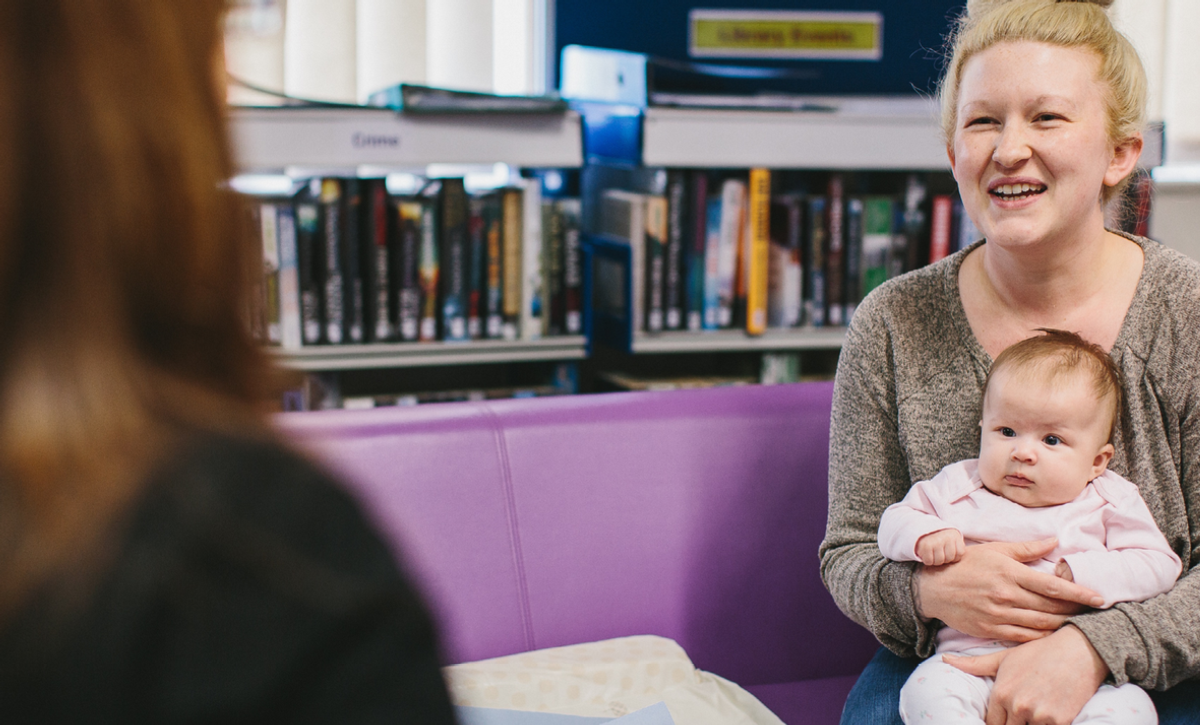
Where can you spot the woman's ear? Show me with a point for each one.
(1125, 158)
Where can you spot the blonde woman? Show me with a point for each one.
(1042, 108)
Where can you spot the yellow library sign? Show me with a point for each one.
(785, 34)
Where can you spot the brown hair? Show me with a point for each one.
(1056, 353)
(123, 265)
(1068, 23)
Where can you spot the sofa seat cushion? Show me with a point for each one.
(609, 678)
(807, 702)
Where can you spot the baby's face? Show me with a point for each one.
(1042, 441)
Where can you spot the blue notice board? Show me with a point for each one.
(912, 38)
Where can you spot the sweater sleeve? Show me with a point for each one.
(1156, 643)
(867, 472)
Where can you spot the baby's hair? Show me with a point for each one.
(1057, 353)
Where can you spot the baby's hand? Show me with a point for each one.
(941, 547)
(1063, 571)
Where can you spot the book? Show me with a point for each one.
(493, 297)
(656, 258)
(476, 265)
(968, 233)
(570, 210)
(815, 294)
(511, 243)
(533, 302)
(331, 214)
(854, 257)
(290, 337)
(758, 250)
(908, 252)
(378, 325)
(310, 268)
(269, 236)
(554, 321)
(623, 216)
(352, 277)
(429, 272)
(712, 263)
(940, 222)
(696, 239)
(835, 240)
(453, 218)
(410, 214)
(785, 281)
(733, 207)
(675, 273)
(878, 221)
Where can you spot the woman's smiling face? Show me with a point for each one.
(1031, 151)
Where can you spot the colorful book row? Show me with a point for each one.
(346, 263)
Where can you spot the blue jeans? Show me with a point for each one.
(875, 698)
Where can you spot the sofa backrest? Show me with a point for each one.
(694, 515)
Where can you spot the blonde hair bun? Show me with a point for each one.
(979, 8)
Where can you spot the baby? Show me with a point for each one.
(1049, 407)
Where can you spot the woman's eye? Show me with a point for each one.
(1052, 440)
(1047, 117)
(1008, 432)
(982, 120)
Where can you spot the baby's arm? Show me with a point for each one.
(1138, 563)
(911, 530)
(941, 547)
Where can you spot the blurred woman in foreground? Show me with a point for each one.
(162, 556)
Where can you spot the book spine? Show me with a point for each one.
(784, 301)
(352, 275)
(835, 255)
(656, 237)
(940, 222)
(533, 305)
(570, 211)
(493, 219)
(477, 266)
(512, 266)
(877, 241)
(712, 264)
(552, 264)
(733, 204)
(334, 316)
(268, 227)
(410, 236)
(452, 257)
(675, 274)
(758, 248)
(968, 233)
(430, 270)
(814, 300)
(854, 245)
(696, 232)
(309, 262)
(289, 280)
(376, 262)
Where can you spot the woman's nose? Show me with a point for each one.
(1012, 146)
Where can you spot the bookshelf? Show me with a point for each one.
(820, 134)
(308, 142)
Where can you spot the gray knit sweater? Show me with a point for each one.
(908, 400)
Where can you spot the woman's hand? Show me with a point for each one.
(990, 593)
(1046, 682)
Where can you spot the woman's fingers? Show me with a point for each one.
(983, 666)
(1057, 589)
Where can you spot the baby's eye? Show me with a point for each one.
(1008, 432)
(1052, 440)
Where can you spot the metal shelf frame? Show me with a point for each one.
(425, 354)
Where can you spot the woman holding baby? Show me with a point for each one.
(1042, 108)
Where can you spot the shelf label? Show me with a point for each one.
(785, 34)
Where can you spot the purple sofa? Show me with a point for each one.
(693, 515)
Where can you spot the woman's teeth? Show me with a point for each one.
(1013, 191)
